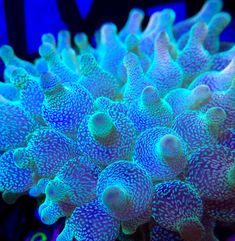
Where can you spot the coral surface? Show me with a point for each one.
(138, 129)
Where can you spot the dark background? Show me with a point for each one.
(22, 22)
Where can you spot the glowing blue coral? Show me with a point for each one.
(178, 207)
(106, 137)
(15, 124)
(46, 152)
(162, 152)
(12, 178)
(64, 107)
(94, 129)
(210, 170)
(74, 185)
(125, 190)
(90, 222)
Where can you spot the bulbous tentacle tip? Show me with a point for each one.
(130, 60)
(48, 38)
(168, 15)
(136, 14)
(192, 230)
(56, 190)
(216, 115)
(48, 80)
(46, 219)
(101, 102)
(150, 96)
(220, 21)
(115, 198)
(86, 61)
(19, 77)
(202, 90)
(64, 34)
(108, 32)
(212, 5)
(46, 50)
(153, 22)
(199, 32)
(21, 159)
(50, 212)
(64, 40)
(80, 39)
(109, 28)
(100, 125)
(170, 147)
(6, 52)
(9, 70)
(127, 230)
(68, 53)
(200, 96)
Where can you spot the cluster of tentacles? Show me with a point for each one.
(139, 128)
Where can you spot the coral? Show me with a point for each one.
(162, 152)
(208, 172)
(178, 207)
(139, 129)
(125, 190)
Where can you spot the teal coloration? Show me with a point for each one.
(31, 94)
(162, 152)
(9, 58)
(15, 124)
(208, 172)
(191, 64)
(207, 12)
(129, 197)
(133, 24)
(118, 142)
(222, 59)
(9, 91)
(75, 102)
(93, 129)
(176, 205)
(216, 80)
(150, 110)
(88, 221)
(182, 100)
(56, 65)
(46, 152)
(12, 178)
(136, 78)
(95, 80)
(216, 25)
(74, 185)
(196, 129)
(104, 104)
(112, 61)
(226, 100)
(165, 72)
